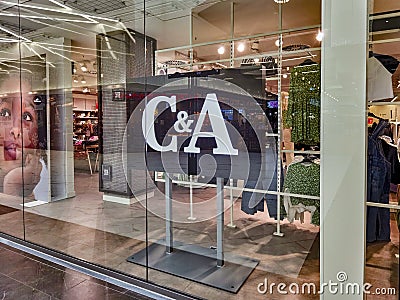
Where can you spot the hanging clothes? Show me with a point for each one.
(249, 199)
(389, 62)
(303, 178)
(296, 212)
(391, 154)
(379, 81)
(378, 187)
(304, 104)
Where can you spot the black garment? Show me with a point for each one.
(271, 200)
(392, 157)
(378, 187)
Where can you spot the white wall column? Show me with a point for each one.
(343, 142)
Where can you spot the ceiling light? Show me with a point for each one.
(85, 90)
(60, 4)
(221, 50)
(277, 42)
(57, 10)
(256, 60)
(319, 36)
(284, 75)
(76, 79)
(281, 1)
(84, 67)
(241, 47)
(83, 80)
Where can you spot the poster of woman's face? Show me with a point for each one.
(19, 122)
(20, 153)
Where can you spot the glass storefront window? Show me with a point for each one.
(178, 142)
(382, 232)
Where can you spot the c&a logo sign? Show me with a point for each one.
(210, 108)
(212, 124)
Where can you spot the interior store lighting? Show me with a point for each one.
(76, 80)
(83, 80)
(281, 1)
(84, 67)
(277, 43)
(320, 36)
(60, 4)
(221, 50)
(241, 47)
(256, 60)
(284, 76)
(57, 10)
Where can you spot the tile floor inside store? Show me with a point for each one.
(108, 233)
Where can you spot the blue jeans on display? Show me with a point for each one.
(271, 200)
(378, 188)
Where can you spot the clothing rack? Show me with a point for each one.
(370, 114)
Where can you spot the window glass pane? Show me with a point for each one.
(193, 228)
(302, 13)
(382, 263)
(20, 78)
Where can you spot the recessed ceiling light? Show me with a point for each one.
(84, 67)
(320, 36)
(221, 50)
(241, 47)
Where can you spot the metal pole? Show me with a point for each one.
(191, 217)
(220, 222)
(191, 54)
(278, 165)
(231, 225)
(232, 43)
(169, 241)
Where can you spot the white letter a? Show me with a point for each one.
(219, 131)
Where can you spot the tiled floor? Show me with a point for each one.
(23, 276)
(107, 233)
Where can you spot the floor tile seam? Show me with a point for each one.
(305, 248)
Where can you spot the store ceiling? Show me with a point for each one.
(212, 21)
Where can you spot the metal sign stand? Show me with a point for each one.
(209, 266)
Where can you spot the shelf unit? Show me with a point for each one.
(85, 116)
